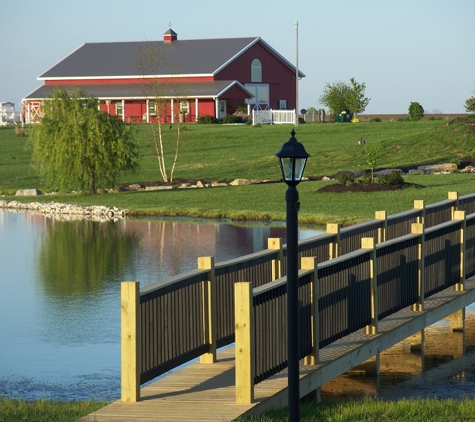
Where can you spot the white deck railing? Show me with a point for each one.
(273, 117)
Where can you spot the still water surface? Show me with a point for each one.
(60, 300)
(60, 307)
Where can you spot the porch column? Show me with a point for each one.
(147, 111)
(216, 107)
(196, 108)
(123, 110)
(172, 101)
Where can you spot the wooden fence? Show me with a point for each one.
(365, 272)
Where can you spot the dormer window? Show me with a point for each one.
(256, 71)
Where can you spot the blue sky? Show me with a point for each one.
(404, 50)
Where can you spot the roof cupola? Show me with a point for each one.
(170, 36)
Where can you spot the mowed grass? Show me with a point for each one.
(45, 410)
(405, 410)
(222, 152)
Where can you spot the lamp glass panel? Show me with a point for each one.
(287, 165)
(299, 168)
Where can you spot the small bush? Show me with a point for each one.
(232, 118)
(249, 122)
(206, 119)
(375, 120)
(20, 132)
(346, 179)
(393, 178)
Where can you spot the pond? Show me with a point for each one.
(60, 307)
(60, 301)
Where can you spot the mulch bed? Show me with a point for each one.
(365, 187)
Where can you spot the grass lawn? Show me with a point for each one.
(222, 152)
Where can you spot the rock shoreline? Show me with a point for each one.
(60, 209)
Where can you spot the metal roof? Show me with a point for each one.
(140, 91)
(132, 59)
(153, 58)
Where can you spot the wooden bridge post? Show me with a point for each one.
(418, 228)
(209, 309)
(454, 196)
(244, 346)
(369, 243)
(419, 204)
(276, 244)
(335, 245)
(461, 215)
(130, 341)
(310, 263)
(382, 231)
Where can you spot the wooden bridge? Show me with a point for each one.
(362, 289)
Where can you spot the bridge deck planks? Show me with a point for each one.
(205, 392)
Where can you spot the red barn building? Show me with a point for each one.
(179, 79)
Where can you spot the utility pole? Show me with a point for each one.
(297, 74)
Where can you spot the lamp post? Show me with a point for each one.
(292, 159)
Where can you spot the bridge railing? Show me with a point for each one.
(344, 295)
(190, 315)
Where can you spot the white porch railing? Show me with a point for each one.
(273, 117)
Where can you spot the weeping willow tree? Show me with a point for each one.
(76, 146)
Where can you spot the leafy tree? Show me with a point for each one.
(78, 147)
(335, 96)
(416, 111)
(356, 101)
(312, 110)
(342, 96)
(470, 104)
(372, 157)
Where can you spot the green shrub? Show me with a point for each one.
(249, 122)
(20, 132)
(375, 120)
(232, 118)
(206, 119)
(416, 111)
(393, 178)
(346, 179)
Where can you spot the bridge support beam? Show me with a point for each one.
(209, 309)
(130, 341)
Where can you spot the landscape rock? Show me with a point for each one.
(468, 169)
(438, 168)
(60, 209)
(240, 182)
(385, 172)
(28, 192)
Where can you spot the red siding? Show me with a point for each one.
(206, 108)
(281, 79)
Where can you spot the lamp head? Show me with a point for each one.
(292, 159)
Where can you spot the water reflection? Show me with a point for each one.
(438, 362)
(60, 302)
(76, 258)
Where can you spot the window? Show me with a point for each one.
(152, 109)
(118, 109)
(282, 104)
(260, 93)
(184, 107)
(256, 71)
